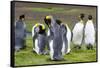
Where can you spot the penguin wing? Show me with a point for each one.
(69, 33)
(33, 31)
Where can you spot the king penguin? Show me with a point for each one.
(39, 37)
(20, 33)
(66, 34)
(89, 33)
(55, 38)
(78, 32)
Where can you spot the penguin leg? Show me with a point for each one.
(18, 44)
(23, 43)
(89, 46)
(77, 47)
(51, 49)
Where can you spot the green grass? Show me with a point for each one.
(27, 57)
(30, 24)
(49, 9)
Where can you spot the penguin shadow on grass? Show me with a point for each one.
(44, 53)
(49, 60)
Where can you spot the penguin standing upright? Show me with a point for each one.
(89, 33)
(78, 32)
(64, 36)
(39, 37)
(65, 40)
(20, 33)
(55, 38)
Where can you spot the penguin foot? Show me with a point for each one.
(57, 59)
(77, 47)
(33, 51)
(68, 53)
(89, 47)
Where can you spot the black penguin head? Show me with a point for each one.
(81, 16)
(41, 30)
(58, 21)
(40, 27)
(90, 17)
(22, 17)
(47, 20)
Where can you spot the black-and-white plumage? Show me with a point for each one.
(55, 38)
(89, 33)
(78, 31)
(39, 37)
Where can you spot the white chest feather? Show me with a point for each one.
(78, 33)
(89, 33)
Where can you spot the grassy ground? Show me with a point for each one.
(27, 57)
(49, 9)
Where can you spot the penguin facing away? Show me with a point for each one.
(66, 34)
(65, 40)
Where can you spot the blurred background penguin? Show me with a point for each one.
(20, 33)
(78, 32)
(89, 33)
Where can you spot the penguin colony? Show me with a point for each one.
(56, 41)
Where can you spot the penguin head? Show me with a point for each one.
(37, 24)
(41, 29)
(58, 21)
(22, 17)
(48, 17)
(81, 16)
(47, 20)
(89, 17)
